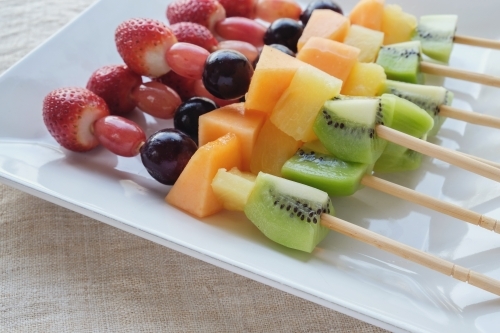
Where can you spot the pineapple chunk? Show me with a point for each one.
(233, 188)
(299, 105)
(397, 25)
(367, 40)
(366, 79)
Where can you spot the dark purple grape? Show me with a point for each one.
(227, 74)
(166, 153)
(319, 4)
(284, 31)
(187, 115)
(283, 49)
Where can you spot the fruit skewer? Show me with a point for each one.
(312, 165)
(436, 32)
(298, 216)
(372, 118)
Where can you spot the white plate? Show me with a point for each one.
(341, 274)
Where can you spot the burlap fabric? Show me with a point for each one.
(63, 272)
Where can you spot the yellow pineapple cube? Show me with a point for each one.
(367, 40)
(299, 105)
(232, 188)
(397, 25)
(366, 79)
(272, 149)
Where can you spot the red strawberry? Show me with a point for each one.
(69, 115)
(142, 44)
(204, 12)
(196, 34)
(182, 85)
(241, 8)
(115, 85)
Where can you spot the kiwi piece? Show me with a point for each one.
(436, 33)
(396, 158)
(346, 127)
(429, 98)
(401, 62)
(287, 212)
(324, 172)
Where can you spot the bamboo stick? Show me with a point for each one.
(431, 203)
(407, 252)
(436, 69)
(493, 164)
(476, 41)
(469, 117)
(438, 152)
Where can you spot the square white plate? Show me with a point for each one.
(341, 274)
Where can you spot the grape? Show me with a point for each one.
(283, 49)
(166, 153)
(119, 135)
(187, 114)
(285, 32)
(227, 74)
(319, 4)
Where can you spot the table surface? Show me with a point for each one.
(64, 272)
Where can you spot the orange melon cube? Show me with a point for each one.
(368, 13)
(334, 58)
(192, 192)
(235, 119)
(272, 149)
(272, 76)
(366, 79)
(327, 24)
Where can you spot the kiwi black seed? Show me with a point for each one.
(305, 211)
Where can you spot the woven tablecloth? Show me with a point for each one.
(64, 272)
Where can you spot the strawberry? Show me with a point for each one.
(142, 44)
(196, 34)
(115, 85)
(69, 115)
(182, 85)
(204, 12)
(241, 8)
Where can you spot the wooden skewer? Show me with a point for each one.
(493, 164)
(436, 69)
(469, 117)
(407, 252)
(431, 203)
(438, 152)
(475, 41)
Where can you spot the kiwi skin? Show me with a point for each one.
(288, 213)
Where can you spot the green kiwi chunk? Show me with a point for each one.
(397, 159)
(324, 172)
(346, 127)
(287, 212)
(436, 33)
(401, 62)
(429, 98)
(412, 120)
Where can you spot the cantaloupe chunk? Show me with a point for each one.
(272, 76)
(299, 105)
(272, 149)
(368, 41)
(366, 79)
(327, 24)
(368, 13)
(332, 57)
(397, 26)
(234, 118)
(192, 192)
